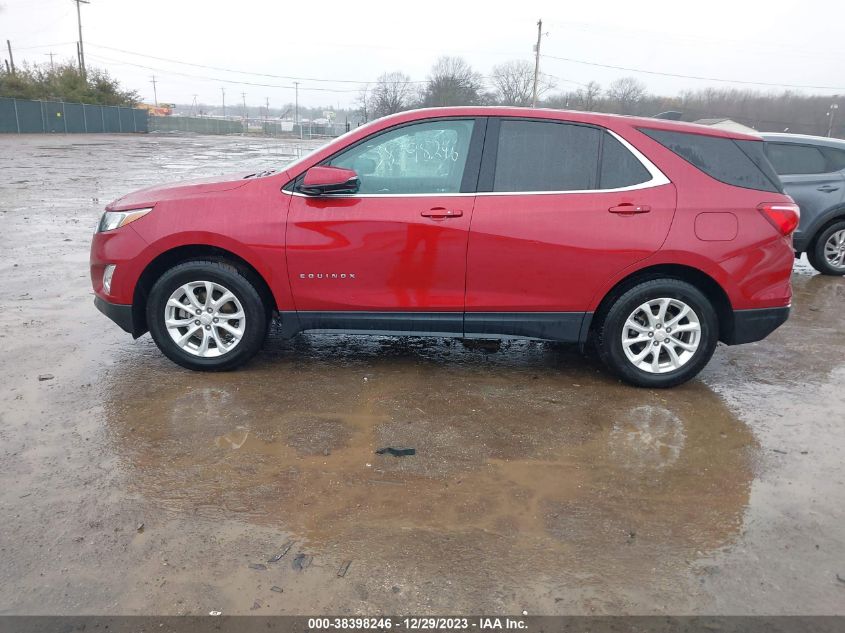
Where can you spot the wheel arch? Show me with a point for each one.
(693, 276)
(837, 214)
(185, 253)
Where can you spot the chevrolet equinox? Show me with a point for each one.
(650, 239)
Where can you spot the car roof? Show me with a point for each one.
(569, 115)
(804, 139)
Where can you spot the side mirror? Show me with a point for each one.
(320, 181)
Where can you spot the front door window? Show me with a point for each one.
(423, 158)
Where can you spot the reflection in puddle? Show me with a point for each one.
(647, 436)
(549, 464)
(234, 440)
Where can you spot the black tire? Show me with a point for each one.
(815, 254)
(610, 331)
(239, 283)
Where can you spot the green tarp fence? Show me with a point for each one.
(198, 125)
(19, 116)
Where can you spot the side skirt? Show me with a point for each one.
(568, 327)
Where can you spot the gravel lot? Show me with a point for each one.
(129, 485)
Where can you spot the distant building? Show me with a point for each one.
(728, 124)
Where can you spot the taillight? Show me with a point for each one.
(784, 216)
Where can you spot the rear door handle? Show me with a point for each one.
(628, 208)
(440, 213)
(827, 188)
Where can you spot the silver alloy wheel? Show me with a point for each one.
(205, 319)
(661, 335)
(834, 249)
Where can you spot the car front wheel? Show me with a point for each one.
(207, 316)
(659, 333)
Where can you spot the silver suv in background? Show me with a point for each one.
(812, 169)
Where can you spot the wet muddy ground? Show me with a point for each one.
(129, 485)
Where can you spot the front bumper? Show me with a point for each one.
(755, 325)
(120, 314)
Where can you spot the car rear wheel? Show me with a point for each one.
(659, 333)
(207, 316)
(827, 254)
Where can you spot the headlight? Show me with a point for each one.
(112, 220)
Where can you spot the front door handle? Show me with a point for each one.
(439, 213)
(827, 188)
(629, 209)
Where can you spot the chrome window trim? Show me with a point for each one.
(658, 179)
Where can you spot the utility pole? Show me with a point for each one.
(223, 92)
(155, 92)
(537, 62)
(52, 67)
(79, 23)
(266, 108)
(831, 113)
(296, 110)
(11, 58)
(246, 120)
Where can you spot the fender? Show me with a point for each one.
(673, 258)
(255, 255)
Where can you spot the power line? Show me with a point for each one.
(257, 74)
(425, 81)
(26, 48)
(217, 79)
(242, 72)
(717, 79)
(749, 44)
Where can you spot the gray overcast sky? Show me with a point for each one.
(779, 42)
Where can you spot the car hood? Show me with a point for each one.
(185, 189)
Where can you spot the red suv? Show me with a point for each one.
(652, 239)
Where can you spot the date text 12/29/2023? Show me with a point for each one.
(416, 623)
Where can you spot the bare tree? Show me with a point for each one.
(391, 94)
(514, 83)
(362, 103)
(452, 81)
(587, 97)
(626, 92)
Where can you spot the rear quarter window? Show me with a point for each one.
(619, 167)
(835, 158)
(733, 162)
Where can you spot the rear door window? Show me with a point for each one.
(546, 156)
(733, 162)
(791, 159)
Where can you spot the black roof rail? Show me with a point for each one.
(669, 115)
